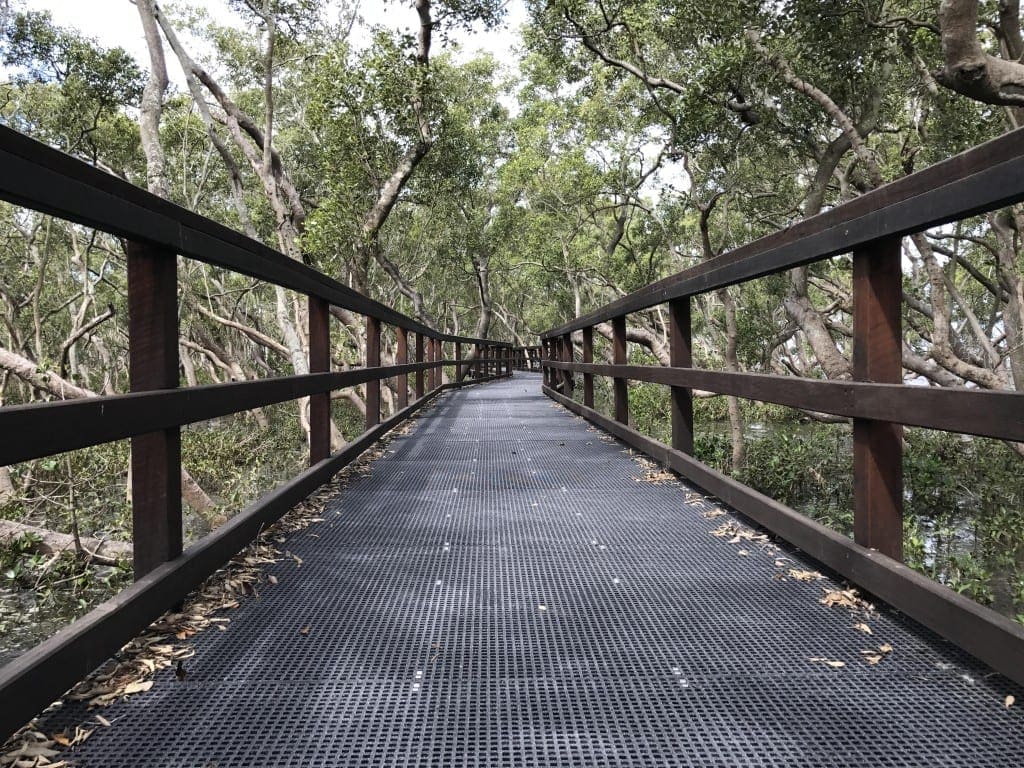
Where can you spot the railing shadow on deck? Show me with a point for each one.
(156, 232)
(871, 227)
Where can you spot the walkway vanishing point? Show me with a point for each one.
(504, 589)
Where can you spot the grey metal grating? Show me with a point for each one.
(486, 601)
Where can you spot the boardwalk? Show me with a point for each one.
(502, 591)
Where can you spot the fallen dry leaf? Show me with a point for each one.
(845, 598)
(743, 553)
(873, 658)
(271, 579)
(139, 687)
(885, 648)
(1009, 701)
(805, 575)
(102, 721)
(863, 628)
(829, 662)
(304, 631)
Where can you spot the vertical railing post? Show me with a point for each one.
(435, 372)
(681, 354)
(878, 357)
(438, 357)
(558, 353)
(476, 367)
(402, 355)
(568, 356)
(458, 361)
(372, 361)
(588, 357)
(620, 387)
(419, 359)
(428, 355)
(319, 362)
(153, 364)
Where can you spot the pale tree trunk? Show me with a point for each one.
(1013, 287)
(739, 451)
(369, 246)
(151, 106)
(49, 542)
(732, 363)
(6, 486)
(967, 69)
(257, 147)
(481, 266)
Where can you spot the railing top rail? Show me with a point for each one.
(982, 179)
(47, 180)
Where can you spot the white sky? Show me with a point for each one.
(116, 22)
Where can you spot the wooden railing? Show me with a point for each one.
(870, 227)
(156, 232)
(526, 358)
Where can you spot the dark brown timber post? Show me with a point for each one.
(458, 361)
(588, 357)
(419, 359)
(877, 357)
(619, 358)
(428, 354)
(681, 357)
(372, 361)
(402, 353)
(438, 357)
(568, 356)
(435, 372)
(153, 364)
(319, 362)
(475, 368)
(561, 377)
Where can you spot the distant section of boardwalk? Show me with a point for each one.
(505, 588)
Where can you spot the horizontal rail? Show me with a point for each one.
(987, 635)
(44, 673)
(982, 179)
(42, 178)
(984, 413)
(74, 424)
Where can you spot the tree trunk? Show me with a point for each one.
(102, 551)
(967, 69)
(152, 104)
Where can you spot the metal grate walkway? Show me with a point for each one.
(502, 591)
